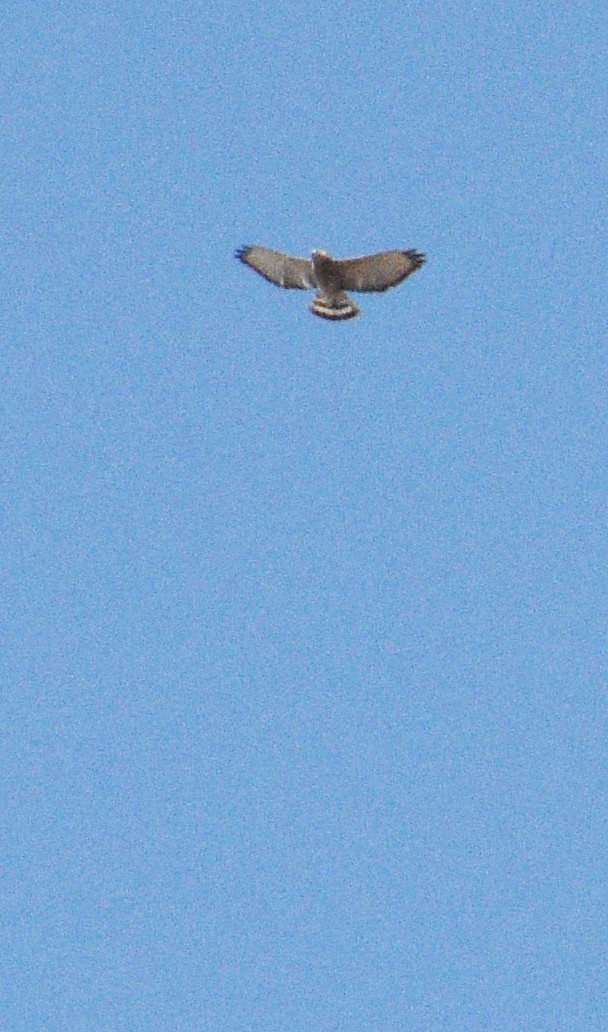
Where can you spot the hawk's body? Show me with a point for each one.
(332, 277)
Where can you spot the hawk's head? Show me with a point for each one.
(319, 254)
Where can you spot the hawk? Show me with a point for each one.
(332, 277)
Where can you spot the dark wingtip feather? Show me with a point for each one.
(241, 252)
(416, 257)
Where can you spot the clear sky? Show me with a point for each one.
(303, 647)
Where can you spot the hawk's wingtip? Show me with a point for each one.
(416, 257)
(242, 251)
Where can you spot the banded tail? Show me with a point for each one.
(337, 306)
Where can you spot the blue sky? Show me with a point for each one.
(304, 625)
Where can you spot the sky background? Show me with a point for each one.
(303, 653)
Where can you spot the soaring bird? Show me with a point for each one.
(332, 277)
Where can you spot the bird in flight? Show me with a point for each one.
(332, 277)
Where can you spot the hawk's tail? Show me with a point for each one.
(338, 306)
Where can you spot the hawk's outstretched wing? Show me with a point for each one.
(377, 271)
(279, 268)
